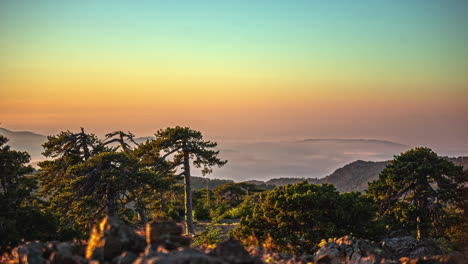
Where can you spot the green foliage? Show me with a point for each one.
(417, 190)
(187, 146)
(88, 178)
(232, 194)
(20, 216)
(210, 236)
(294, 218)
(217, 212)
(201, 213)
(445, 245)
(178, 141)
(243, 210)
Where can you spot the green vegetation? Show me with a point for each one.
(211, 236)
(199, 183)
(294, 218)
(86, 178)
(424, 194)
(20, 213)
(186, 144)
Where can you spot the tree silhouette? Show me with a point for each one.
(65, 149)
(19, 216)
(184, 144)
(416, 187)
(88, 178)
(122, 138)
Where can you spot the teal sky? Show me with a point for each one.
(336, 68)
(417, 38)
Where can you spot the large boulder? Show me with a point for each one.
(351, 250)
(30, 253)
(111, 238)
(166, 234)
(232, 251)
(408, 246)
(126, 258)
(66, 253)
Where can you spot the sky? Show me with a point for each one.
(239, 70)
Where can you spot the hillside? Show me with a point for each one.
(204, 182)
(352, 177)
(355, 176)
(25, 141)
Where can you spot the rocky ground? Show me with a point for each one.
(115, 243)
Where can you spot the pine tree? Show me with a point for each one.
(415, 188)
(185, 145)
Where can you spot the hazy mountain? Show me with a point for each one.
(204, 182)
(263, 160)
(25, 141)
(299, 159)
(354, 176)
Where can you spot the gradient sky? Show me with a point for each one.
(239, 70)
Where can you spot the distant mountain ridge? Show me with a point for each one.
(25, 141)
(302, 159)
(353, 140)
(354, 176)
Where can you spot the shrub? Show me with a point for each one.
(201, 213)
(294, 218)
(210, 236)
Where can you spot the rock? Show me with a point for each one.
(126, 258)
(232, 251)
(408, 246)
(111, 238)
(166, 234)
(51, 248)
(150, 257)
(30, 253)
(329, 253)
(350, 250)
(191, 259)
(400, 246)
(449, 259)
(66, 253)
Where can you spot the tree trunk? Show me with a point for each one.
(422, 227)
(84, 142)
(142, 212)
(188, 192)
(111, 201)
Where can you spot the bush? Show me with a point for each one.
(21, 218)
(244, 209)
(217, 213)
(294, 218)
(201, 213)
(210, 236)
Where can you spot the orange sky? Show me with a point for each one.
(239, 71)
